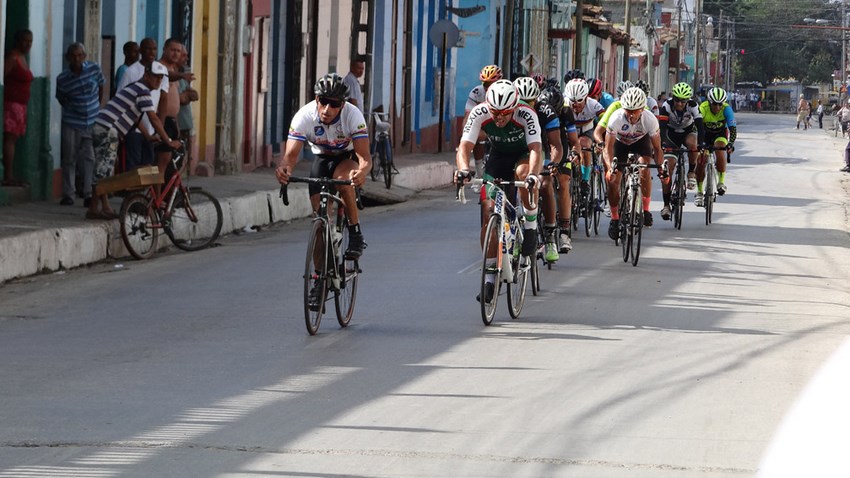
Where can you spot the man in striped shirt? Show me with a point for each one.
(115, 120)
(78, 90)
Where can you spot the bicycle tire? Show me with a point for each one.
(708, 197)
(195, 220)
(348, 271)
(488, 309)
(376, 165)
(575, 195)
(593, 201)
(679, 193)
(636, 227)
(517, 288)
(541, 256)
(316, 274)
(139, 225)
(386, 165)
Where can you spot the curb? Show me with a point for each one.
(53, 249)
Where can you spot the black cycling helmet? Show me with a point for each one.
(552, 96)
(572, 75)
(331, 86)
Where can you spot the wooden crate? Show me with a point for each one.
(135, 179)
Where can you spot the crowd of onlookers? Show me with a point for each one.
(147, 117)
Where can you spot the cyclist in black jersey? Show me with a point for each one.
(681, 126)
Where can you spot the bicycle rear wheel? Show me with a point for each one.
(376, 163)
(195, 220)
(517, 287)
(139, 225)
(348, 270)
(488, 308)
(387, 166)
(708, 199)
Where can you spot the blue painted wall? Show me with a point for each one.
(478, 51)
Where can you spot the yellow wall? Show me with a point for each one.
(205, 66)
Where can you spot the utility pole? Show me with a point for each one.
(679, 45)
(507, 45)
(717, 63)
(577, 53)
(628, 22)
(650, 47)
(697, 46)
(843, 51)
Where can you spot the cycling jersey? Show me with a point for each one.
(606, 99)
(584, 120)
(679, 121)
(716, 124)
(521, 130)
(551, 122)
(652, 105)
(328, 139)
(608, 112)
(629, 133)
(475, 98)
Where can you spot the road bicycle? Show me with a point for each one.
(597, 199)
(326, 269)
(190, 216)
(678, 191)
(631, 210)
(382, 151)
(579, 201)
(503, 241)
(710, 189)
(541, 234)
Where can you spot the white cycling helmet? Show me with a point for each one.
(502, 96)
(718, 95)
(633, 99)
(575, 90)
(623, 86)
(526, 88)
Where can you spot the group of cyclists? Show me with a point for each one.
(530, 124)
(533, 123)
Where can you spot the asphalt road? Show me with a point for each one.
(720, 354)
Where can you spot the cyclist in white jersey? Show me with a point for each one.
(651, 103)
(586, 111)
(631, 129)
(488, 75)
(338, 136)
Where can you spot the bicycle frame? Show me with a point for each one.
(631, 211)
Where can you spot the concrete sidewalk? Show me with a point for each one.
(43, 236)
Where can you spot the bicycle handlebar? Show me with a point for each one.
(680, 150)
(284, 194)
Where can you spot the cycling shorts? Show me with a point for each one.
(642, 147)
(678, 139)
(500, 166)
(712, 137)
(324, 166)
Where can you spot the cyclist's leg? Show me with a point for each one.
(565, 205)
(644, 148)
(720, 154)
(620, 151)
(529, 203)
(356, 243)
(586, 159)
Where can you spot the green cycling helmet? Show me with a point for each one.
(682, 91)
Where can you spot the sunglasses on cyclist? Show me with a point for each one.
(679, 100)
(333, 103)
(501, 113)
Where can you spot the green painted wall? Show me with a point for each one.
(33, 159)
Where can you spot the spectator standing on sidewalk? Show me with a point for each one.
(137, 143)
(184, 118)
(78, 90)
(169, 103)
(820, 115)
(357, 67)
(802, 111)
(114, 121)
(18, 80)
(131, 55)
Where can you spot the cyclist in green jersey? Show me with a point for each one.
(515, 152)
(720, 130)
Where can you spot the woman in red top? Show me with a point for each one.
(18, 78)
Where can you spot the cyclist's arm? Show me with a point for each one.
(656, 146)
(364, 160)
(290, 157)
(662, 124)
(464, 150)
(733, 134)
(157, 126)
(599, 133)
(535, 158)
(608, 153)
(556, 149)
(700, 130)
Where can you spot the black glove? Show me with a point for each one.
(531, 181)
(463, 176)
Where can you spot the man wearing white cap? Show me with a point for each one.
(114, 121)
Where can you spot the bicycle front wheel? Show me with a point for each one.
(195, 220)
(636, 227)
(488, 307)
(139, 226)
(315, 277)
(678, 197)
(708, 198)
(517, 288)
(348, 270)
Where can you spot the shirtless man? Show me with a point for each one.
(169, 102)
